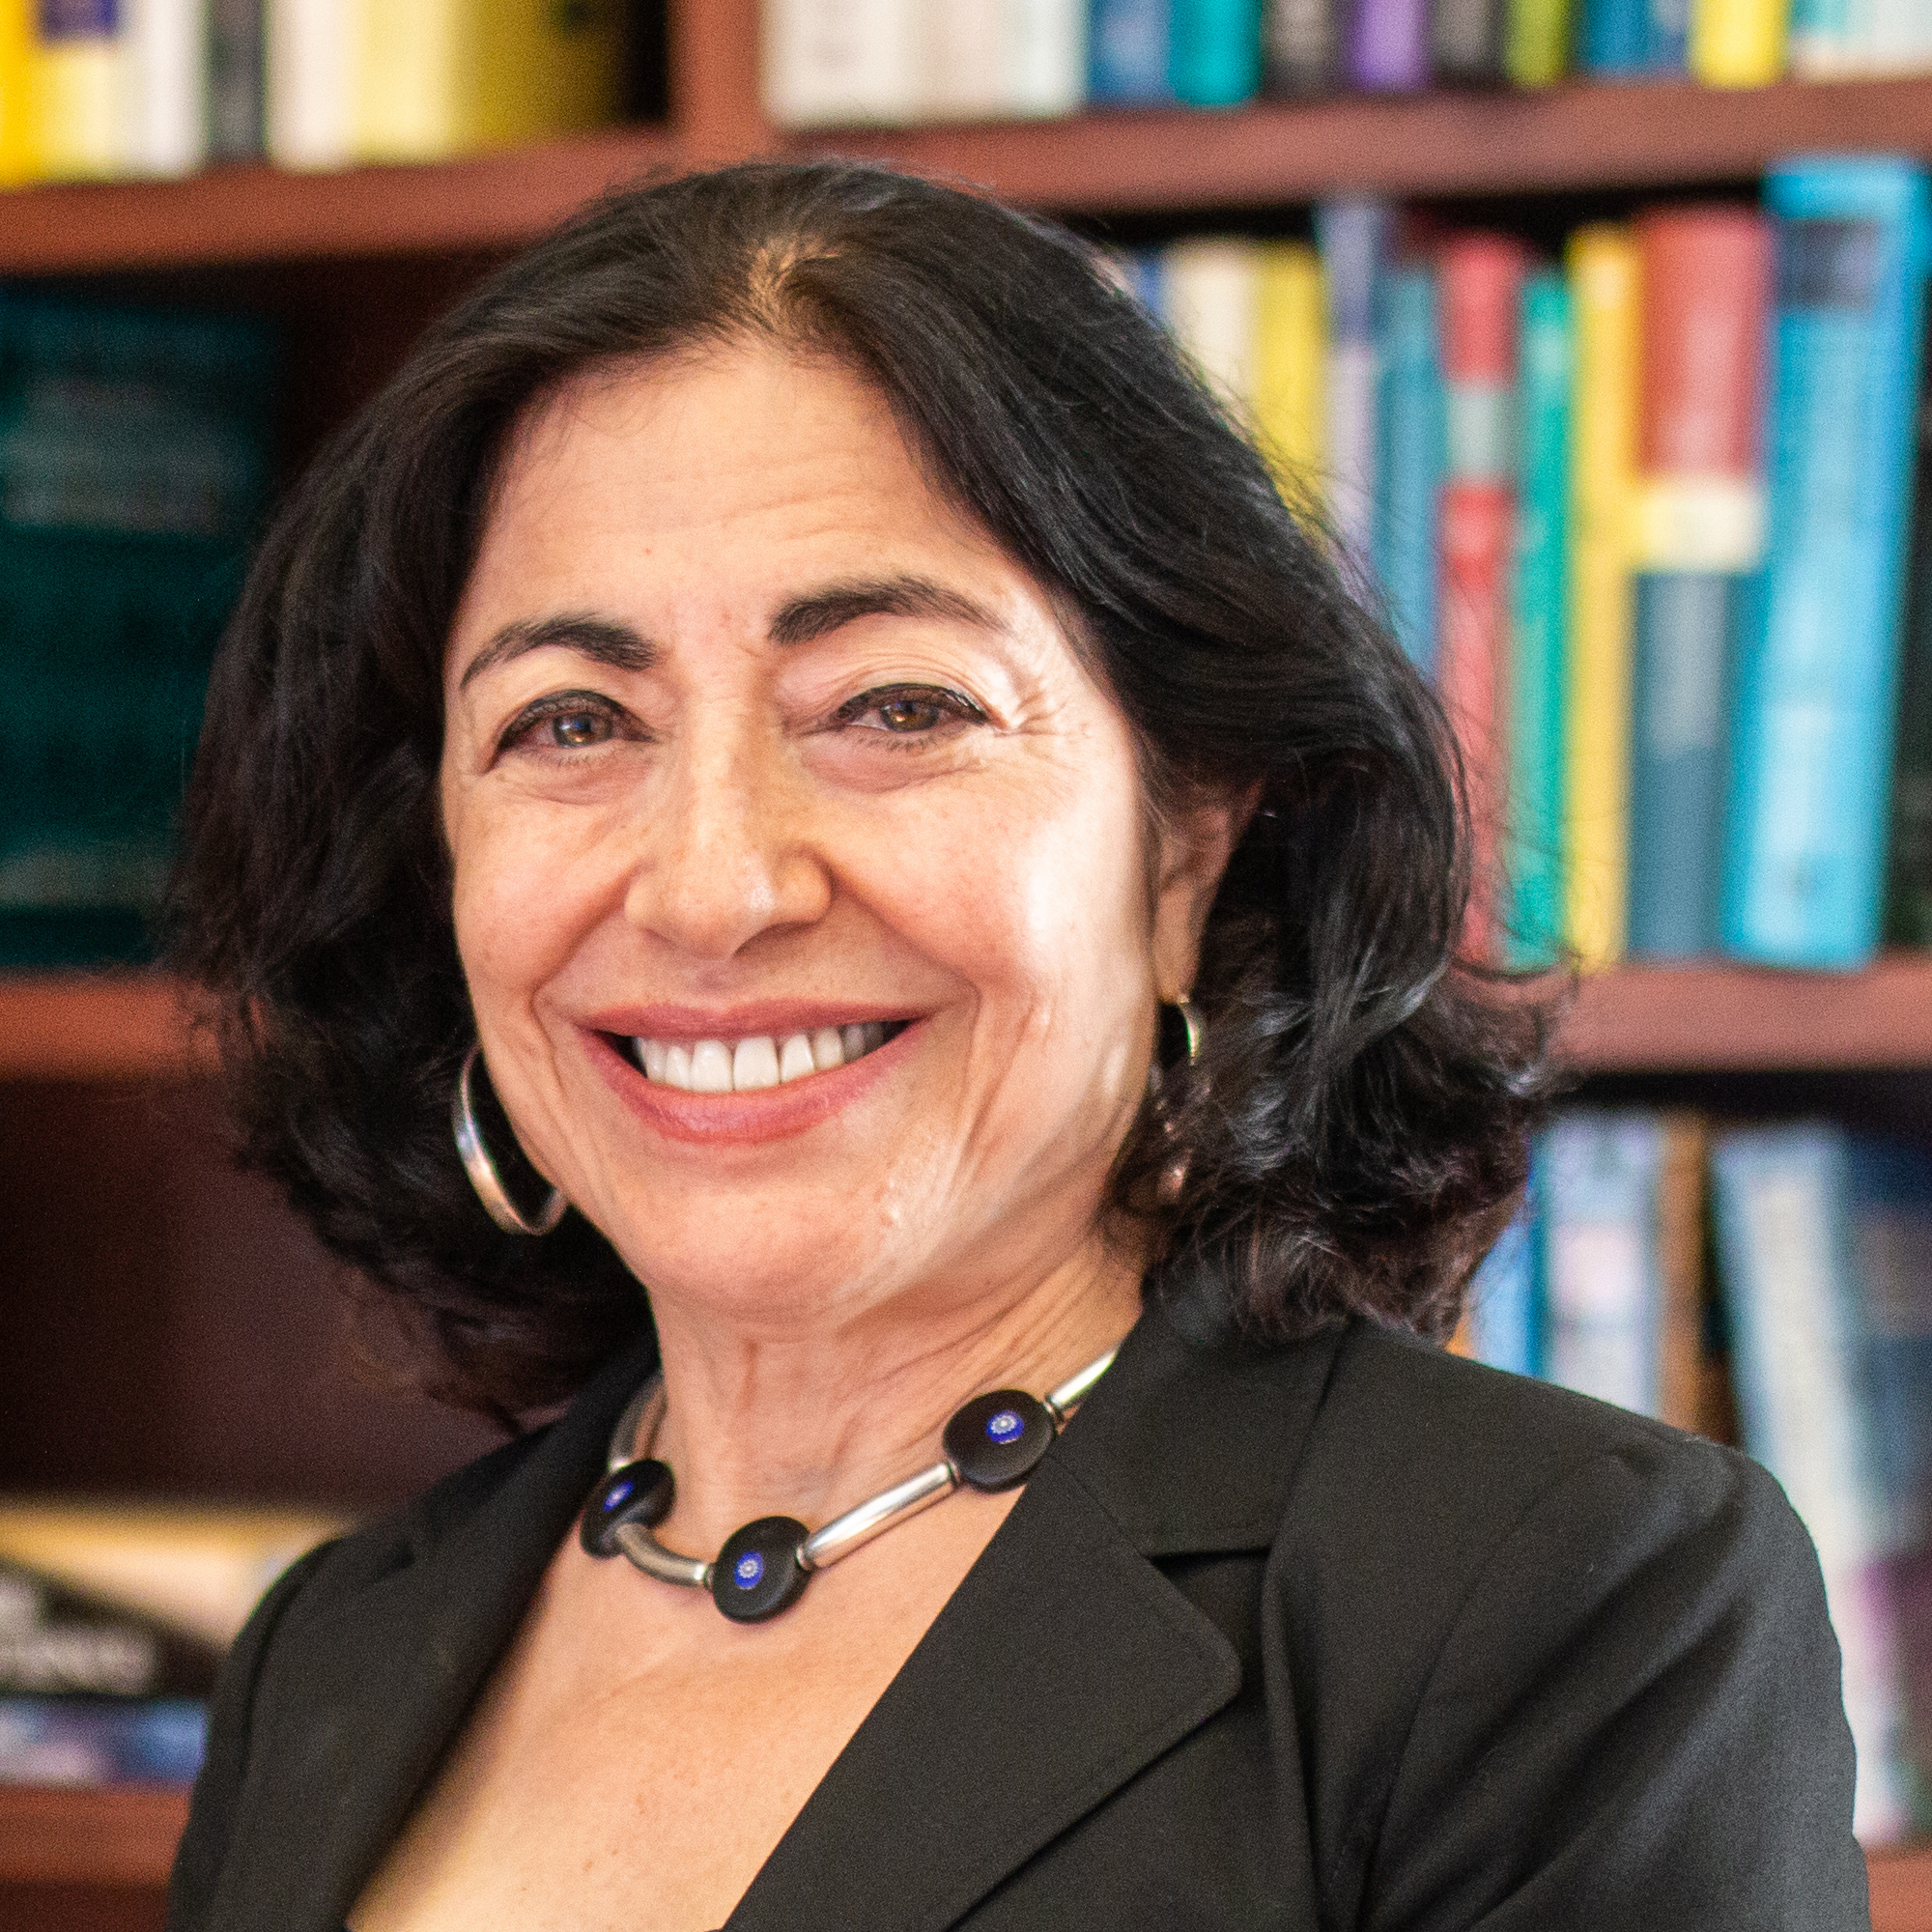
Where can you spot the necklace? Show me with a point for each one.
(994, 1443)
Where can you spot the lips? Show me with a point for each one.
(753, 1063)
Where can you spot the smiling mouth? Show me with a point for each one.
(754, 1064)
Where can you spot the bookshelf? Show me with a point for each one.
(123, 1218)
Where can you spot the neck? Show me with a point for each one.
(805, 1425)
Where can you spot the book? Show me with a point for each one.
(1781, 1207)
(1385, 49)
(1908, 892)
(1690, 1386)
(1601, 1179)
(19, 91)
(1127, 53)
(824, 63)
(1736, 42)
(1482, 277)
(1817, 688)
(1604, 284)
(1215, 51)
(1301, 48)
(1353, 236)
(311, 51)
(1631, 38)
(167, 55)
(1506, 1296)
(72, 1742)
(1469, 42)
(987, 59)
(1046, 57)
(1697, 541)
(1538, 610)
(1412, 461)
(1290, 368)
(81, 82)
(1536, 49)
(236, 81)
(1209, 289)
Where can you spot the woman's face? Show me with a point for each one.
(801, 878)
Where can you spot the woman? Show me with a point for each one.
(799, 722)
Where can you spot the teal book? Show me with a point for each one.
(1908, 914)
(133, 469)
(1413, 461)
(1801, 1362)
(1817, 690)
(1539, 601)
(1215, 51)
(1506, 1295)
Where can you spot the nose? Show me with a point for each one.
(725, 845)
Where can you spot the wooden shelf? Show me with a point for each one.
(1587, 135)
(129, 1026)
(1902, 1890)
(125, 1837)
(1721, 1018)
(1691, 1018)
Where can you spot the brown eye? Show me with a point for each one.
(911, 714)
(573, 730)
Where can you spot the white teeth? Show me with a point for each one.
(748, 1066)
(755, 1063)
(711, 1067)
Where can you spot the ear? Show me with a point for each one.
(1192, 853)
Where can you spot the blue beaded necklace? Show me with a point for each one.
(994, 1443)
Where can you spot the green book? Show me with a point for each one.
(1908, 912)
(1536, 43)
(1539, 600)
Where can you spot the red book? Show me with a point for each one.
(1481, 282)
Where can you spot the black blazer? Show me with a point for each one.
(1352, 1634)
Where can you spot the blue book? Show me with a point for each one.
(1506, 1296)
(1538, 605)
(1215, 54)
(1354, 236)
(1813, 731)
(1127, 53)
(101, 1741)
(1602, 1274)
(1800, 1363)
(1412, 462)
(1629, 38)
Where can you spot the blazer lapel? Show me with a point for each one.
(339, 1756)
(1066, 1662)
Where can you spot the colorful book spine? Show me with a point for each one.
(72, 1742)
(534, 69)
(1291, 356)
(828, 63)
(1737, 42)
(1539, 608)
(1481, 276)
(236, 79)
(1798, 1347)
(1506, 1312)
(1537, 49)
(82, 83)
(1684, 1361)
(19, 91)
(1209, 291)
(1353, 237)
(1301, 48)
(1413, 461)
(167, 86)
(1697, 541)
(1468, 42)
(1601, 1173)
(1908, 914)
(1387, 47)
(1628, 37)
(310, 52)
(1604, 282)
(1811, 767)
(1216, 51)
(1127, 53)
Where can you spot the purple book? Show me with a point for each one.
(1388, 47)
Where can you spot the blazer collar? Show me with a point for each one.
(1063, 1664)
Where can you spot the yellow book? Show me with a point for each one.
(1606, 296)
(81, 78)
(20, 90)
(1737, 42)
(441, 78)
(1290, 394)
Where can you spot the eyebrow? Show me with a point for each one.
(602, 639)
(820, 612)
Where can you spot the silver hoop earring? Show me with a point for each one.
(482, 1170)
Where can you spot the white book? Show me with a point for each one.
(167, 56)
(968, 53)
(1212, 289)
(310, 48)
(832, 63)
(1047, 72)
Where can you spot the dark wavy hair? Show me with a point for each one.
(1355, 1130)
